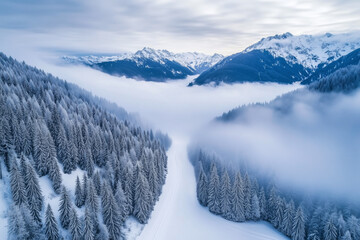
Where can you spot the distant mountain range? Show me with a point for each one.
(150, 64)
(281, 58)
(285, 59)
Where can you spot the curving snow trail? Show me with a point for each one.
(178, 215)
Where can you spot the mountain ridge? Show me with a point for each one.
(150, 64)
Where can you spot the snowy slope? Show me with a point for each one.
(196, 62)
(178, 215)
(309, 50)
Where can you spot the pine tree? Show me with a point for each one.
(213, 191)
(78, 194)
(354, 227)
(238, 212)
(97, 183)
(92, 201)
(51, 226)
(65, 209)
(84, 187)
(202, 187)
(75, 227)
(271, 206)
(289, 214)
(279, 213)
(122, 202)
(88, 232)
(33, 193)
(255, 207)
(262, 202)
(17, 186)
(111, 214)
(247, 197)
(330, 230)
(225, 196)
(55, 176)
(142, 207)
(298, 232)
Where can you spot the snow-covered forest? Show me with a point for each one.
(49, 130)
(239, 196)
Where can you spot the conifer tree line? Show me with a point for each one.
(238, 197)
(49, 128)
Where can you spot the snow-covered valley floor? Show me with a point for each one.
(178, 215)
(180, 111)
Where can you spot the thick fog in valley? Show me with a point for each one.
(306, 140)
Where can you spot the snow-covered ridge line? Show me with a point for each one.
(309, 50)
(192, 60)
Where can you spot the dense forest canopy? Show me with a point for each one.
(50, 128)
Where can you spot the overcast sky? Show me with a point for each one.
(223, 26)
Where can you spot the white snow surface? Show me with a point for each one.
(309, 50)
(191, 60)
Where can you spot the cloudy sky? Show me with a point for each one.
(209, 26)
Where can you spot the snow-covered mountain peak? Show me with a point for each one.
(195, 61)
(309, 50)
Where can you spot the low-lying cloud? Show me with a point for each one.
(307, 141)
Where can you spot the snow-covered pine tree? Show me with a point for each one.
(247, 196)
(354, 227)
(289, 214)
(88, 229)
(17, 185)
(75, 226)
(202, 186)
(33, 193)
(225, 195)
(92, 201)
(213, 191)
(110, 212)
(262, 202)
(78, 193)
(65, 208)
(51, 226)
(330, 230)
(279, 213)
(237, 206)
(255, 207)
(97, 182)
(84, 187)
(121, 200)
(55, 175)
(298, 230)
(142, 199)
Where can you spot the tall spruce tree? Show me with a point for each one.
(298, 231)
(51, 226)
(111, 216)
(17, 185)
(238, 212)
(88, 229)
(75, 227)
(142, 199)
(225, 195)
(33, 193)
(202, 187)
(65, 209)
(78, 193)
(213, 191)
